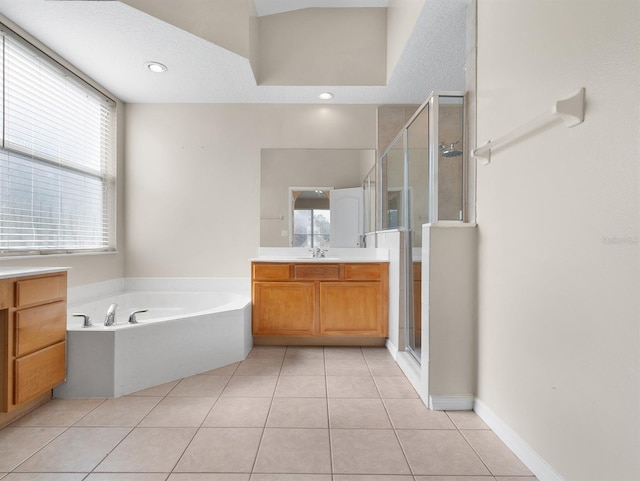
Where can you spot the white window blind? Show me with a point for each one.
(57, 157)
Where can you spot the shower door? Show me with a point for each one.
(423, 177)
(418, 182)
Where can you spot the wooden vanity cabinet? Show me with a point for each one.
(320, 303)
(33, 327)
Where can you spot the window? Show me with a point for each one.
(57, 157)
(311, 228)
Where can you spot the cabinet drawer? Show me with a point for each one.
(39, 327)
(362, 272)
(39, 372)
(37, 291)
(271, 272)
(316, 271)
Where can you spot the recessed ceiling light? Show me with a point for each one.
(156, 67)
(325, 96)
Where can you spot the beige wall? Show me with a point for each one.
(558, 216)
(449, 310)
(450, 175)
(323, 46)
(284, 168)
(224, 23)
(401, 18)
(391, 120)
(193, 178)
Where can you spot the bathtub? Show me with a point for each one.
(191, 326)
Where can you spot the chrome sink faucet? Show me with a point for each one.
(110, 319)
(317, 252)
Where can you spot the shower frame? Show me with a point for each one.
(432, 103)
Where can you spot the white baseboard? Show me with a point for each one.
(412, 371)
(531, 459)
(392, 348)
(451, 403)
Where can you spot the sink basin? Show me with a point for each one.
(317, 259)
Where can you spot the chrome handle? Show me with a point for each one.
(132, 316)
(87, 319)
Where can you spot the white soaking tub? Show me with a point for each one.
(191, 326)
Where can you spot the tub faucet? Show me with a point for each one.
(132, 317)
(110, 319)
(86, 319)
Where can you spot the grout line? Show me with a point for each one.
(64, 430)
(395, 431)
(266, 418)
(329, 428)
(469, 444)
(476, 452)
(204, 418)
(131, 429)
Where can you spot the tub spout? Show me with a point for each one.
(110, 319)
(132, 316)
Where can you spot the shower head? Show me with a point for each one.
(451, 151)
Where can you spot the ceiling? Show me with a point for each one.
(111, 42)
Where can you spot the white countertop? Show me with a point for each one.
(301, 254)
(315, 260)
(17, 271)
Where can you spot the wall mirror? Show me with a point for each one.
(283, 171)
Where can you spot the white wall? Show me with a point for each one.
(193, 178)
(558, 215)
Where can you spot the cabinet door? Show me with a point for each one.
(283, 308)
(351, 308)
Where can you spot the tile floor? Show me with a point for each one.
(283, 414)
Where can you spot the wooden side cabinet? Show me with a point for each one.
(33, 328)
(320, 303)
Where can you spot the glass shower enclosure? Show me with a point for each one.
(423, 177)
